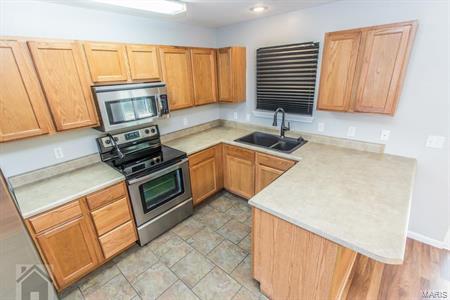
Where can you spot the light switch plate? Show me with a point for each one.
(435, 141)
(385, 135)
(58, 152)
(351, 131)
(235, 115)
(247, 117)
(321, 127)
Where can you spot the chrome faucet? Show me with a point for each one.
(283, 127)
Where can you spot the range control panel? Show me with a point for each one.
(130, 136)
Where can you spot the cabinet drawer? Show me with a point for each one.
(56, 216)
(110, 216)
(240, 152)
(274, 162)
(118, 239)
(202, 156)
(105, 196)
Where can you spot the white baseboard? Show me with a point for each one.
(427, 240)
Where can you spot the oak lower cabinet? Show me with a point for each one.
(363, 69)
(64, 76)
(177, 74)
(77, 237)
(23, 109)
(205, 170)
(269, 168)
(239, 171)
(231, 70)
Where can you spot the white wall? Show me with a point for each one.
(424, 104)
(42, 19)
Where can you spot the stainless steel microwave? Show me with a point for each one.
(128, 105)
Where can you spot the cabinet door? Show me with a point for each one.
(269, 168)
(23, 110)
(206, 173)
(177, 74)
(239, 171)
(224, 75)
(64, 76)
(204, 75)
(144, 62)
(69, 251)
(384, 59)
(338, 70)
(107, 62)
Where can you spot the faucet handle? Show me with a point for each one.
(288, 126)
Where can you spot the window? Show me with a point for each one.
(286, 77)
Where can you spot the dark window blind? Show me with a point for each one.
(286, 77)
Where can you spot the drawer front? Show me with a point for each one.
(56, 216)
(110, 216)
(202, 156)
(240, 152)
(274, 162)
(118, 239)
(107, 195)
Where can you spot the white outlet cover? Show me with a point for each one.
(385, 135)
(235, 115)
(435, 141)
(321, 127)
(351, 131)
(58, 152)
(185, 121)
(247, 117)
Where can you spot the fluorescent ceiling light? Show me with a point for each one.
(157, 6)
(259, 8)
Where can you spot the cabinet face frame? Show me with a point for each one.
(37, 105)
(198, 78)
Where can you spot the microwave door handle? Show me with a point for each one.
(158, 173)
(158, 105)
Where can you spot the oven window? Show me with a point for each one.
(126, 110)
(160, 190)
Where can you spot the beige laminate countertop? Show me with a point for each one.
(360, 200)
(42, 195)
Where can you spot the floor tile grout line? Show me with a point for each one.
(132, 286)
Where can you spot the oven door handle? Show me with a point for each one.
(158, 173)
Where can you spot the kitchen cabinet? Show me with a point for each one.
(77, 237)
(64, 76)
(204, 75)
(107, 62)
(239, 171)
(144, 62)
(205, 169)
(269, 168)
(363, 68)
(23, 109)
(177, 74)
(231, 70)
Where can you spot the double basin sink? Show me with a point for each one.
(274, 142)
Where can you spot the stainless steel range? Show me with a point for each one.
(157, 177)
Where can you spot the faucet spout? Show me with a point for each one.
(283, 127)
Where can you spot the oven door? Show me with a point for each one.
(153, 194)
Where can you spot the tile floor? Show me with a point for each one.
(205, 257)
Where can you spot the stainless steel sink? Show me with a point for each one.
(271, 141)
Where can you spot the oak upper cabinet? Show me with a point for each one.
(269, 168)
(107, 61)
(63, 72)
(204, 75)
(239, 171)
(231, 70)
(144, 62)
(67, 242)
(338, 70)
(205, 169)
(363, 69)
(177, 74)
(23, 110)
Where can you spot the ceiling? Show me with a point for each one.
(210, 13)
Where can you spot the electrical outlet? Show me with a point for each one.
(247, 117)
(321, 127)
(351, 131)
(185, 121)
(435, 141)
(385, 135)
(235, 115)
(58, 152)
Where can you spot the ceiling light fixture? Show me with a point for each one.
(157, 6)
(258, 8)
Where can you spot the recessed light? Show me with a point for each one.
(157, 6)
(259, 8)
